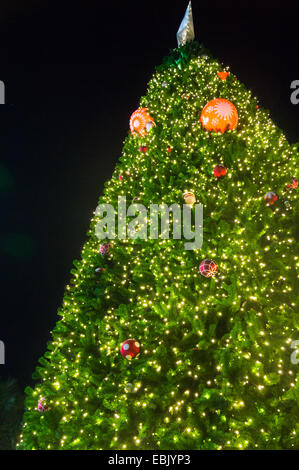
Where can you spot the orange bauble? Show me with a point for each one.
(218, 115)
(139, 121)
(223, 75)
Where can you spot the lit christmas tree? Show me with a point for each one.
(162, 347)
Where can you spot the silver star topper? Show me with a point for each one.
(186, 29)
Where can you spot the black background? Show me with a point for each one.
(74, 72)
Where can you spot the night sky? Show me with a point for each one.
(74, 72)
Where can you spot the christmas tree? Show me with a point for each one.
(163, 347)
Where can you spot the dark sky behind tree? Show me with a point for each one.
(74, 72)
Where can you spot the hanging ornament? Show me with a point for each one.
(223, 75)
(149, 125)
(104, 248)
(220, 171)
(189, 198)
(185, 96)
(168, 149)
(208, 268)
(100, 270)
(127, 173)
(164, 84)
(129, 388)
(218, 115)
(143, 148)
(140, 121)
(271, 197)
(41, 406)
(293, 184)
(130, 349)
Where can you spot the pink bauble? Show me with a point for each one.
(130, 349)
(208, 268)
(104, 249)
(41, 406)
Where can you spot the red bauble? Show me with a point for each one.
(168, 149)
(219, 115)
(130, 349)
(293, 184)
(120, 177)
(271, 197)
(220, 171)
(208, 268)
(143, 148)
